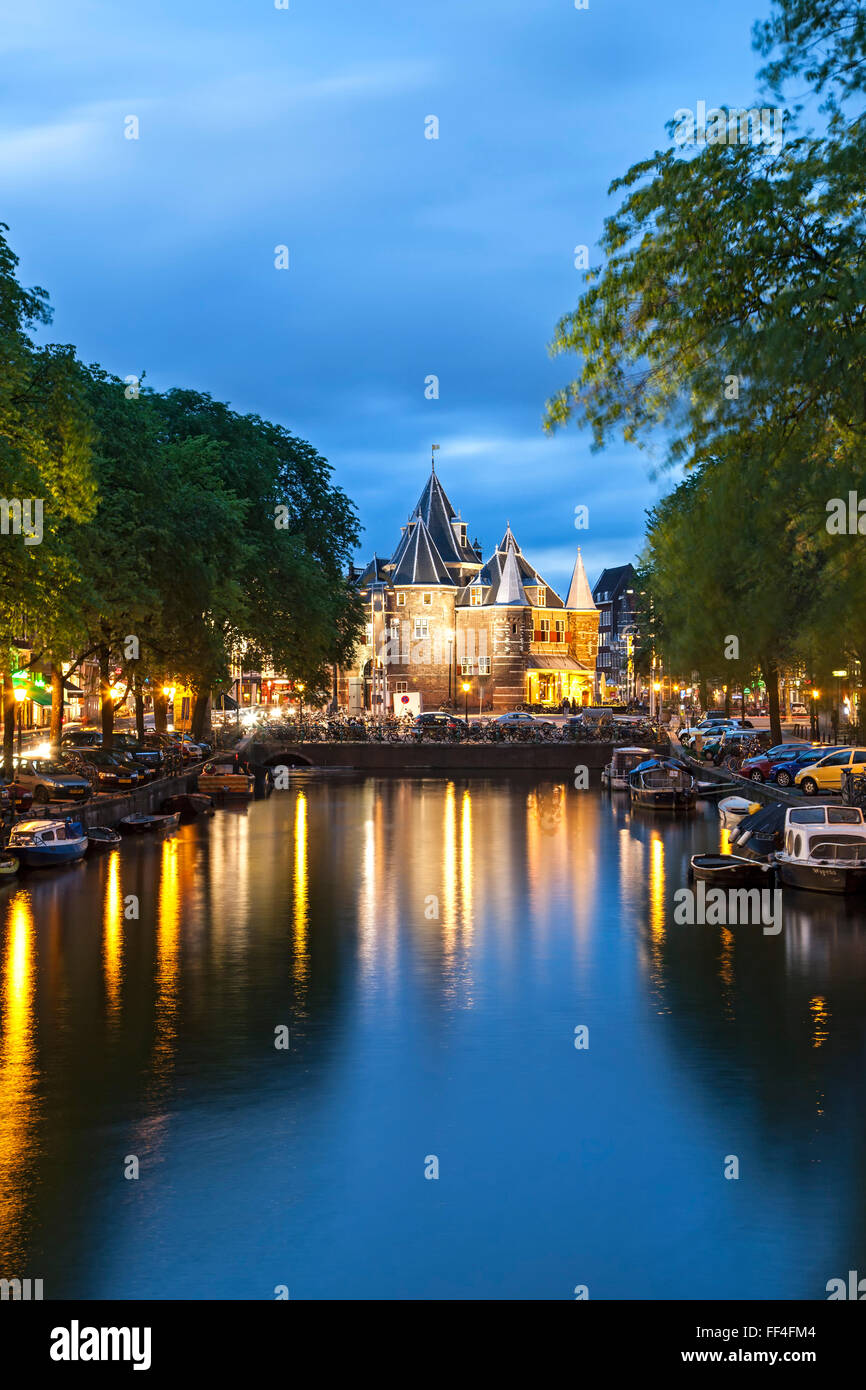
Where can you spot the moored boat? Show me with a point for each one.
(9, 865)
(824, 849)
(730, 871)
(662, 784)
(615, 775)
(46, 843)
(141, 824)
(189, 805)
(760, 833)
(734, 808)
(226, 779)
(101, 837)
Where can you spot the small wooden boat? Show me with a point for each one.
(189, 805)
(734, 808)
(141, 824)
(662, 784)
(47, 843)
(9, 865)
(225, 779)
(825, 849)
(102, 837)
(615, 775)
(730, 871)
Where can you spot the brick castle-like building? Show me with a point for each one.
(440, 616)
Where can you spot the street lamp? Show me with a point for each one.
(466, 700)
(20, 697)
(299, 686)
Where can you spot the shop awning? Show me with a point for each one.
(39, 695)
(71, 692)
(557, 663)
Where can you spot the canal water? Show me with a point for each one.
(426, 949)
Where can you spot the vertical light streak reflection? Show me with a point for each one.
(657, 906)
(466, 867)
(112, 937)
(167, 959)
(301, 893)
(449, 870)
(820, 1020)
(18, 1069)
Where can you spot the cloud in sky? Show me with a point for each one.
(408, 257)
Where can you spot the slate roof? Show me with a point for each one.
(505, 575)
(420, 561)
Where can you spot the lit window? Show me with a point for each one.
(466, 668)
(476, 596)
(422, 627)
(401, 687)
(401, 600)
(369, 634)
(427, 600)
(484, 665)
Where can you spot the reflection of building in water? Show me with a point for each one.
(18, 1076)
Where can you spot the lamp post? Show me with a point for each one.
(813, 712)
(466, 700)
(299, 686)
(20, 697)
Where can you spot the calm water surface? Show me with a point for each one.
(431, 945)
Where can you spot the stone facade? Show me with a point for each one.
(439, 616)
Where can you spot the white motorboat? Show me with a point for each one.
(734, 808)
(825, 849)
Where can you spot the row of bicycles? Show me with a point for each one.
(404, 729)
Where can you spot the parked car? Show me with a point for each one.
(759, 768)
(826, 774)
(783, 773)
(14, 796)
(732, 741)
(151, 759)
(438, 722)
(81, 738)
(51, 781)
(112, 769)
(520, 717)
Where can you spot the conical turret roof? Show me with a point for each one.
(579, 593)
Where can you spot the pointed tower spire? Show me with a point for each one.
(579, 593)
(511, 592)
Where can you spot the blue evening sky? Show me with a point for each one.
(305, 127)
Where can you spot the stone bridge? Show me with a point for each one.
(427, 756)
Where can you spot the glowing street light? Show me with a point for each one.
(466, 700)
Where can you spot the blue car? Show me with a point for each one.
(784, 772)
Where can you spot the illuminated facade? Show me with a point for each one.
(441, 617)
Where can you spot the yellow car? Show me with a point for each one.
(826, 774)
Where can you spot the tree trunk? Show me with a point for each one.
(10, 709)
(160, 709)
(56, 726)
(199, 715)
(139, 709)
(705, 694)
(771, 679)
(106, 699)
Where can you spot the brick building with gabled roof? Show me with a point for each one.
(441, 616)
